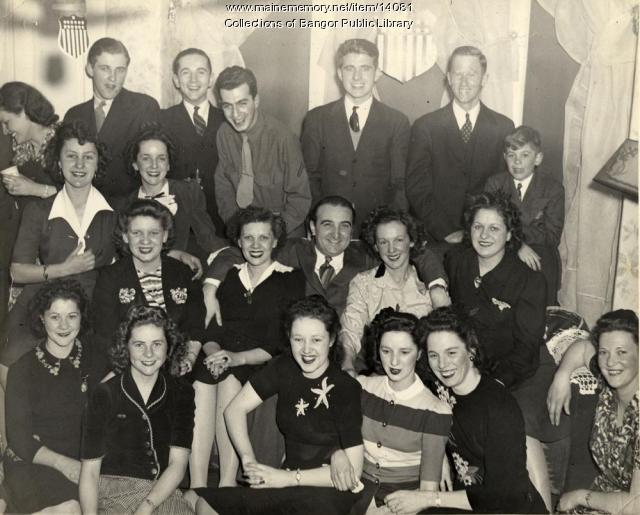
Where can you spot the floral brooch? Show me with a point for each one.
(126, 295)
(179, 295)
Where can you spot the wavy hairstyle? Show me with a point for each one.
(17, 97)
(387, 320)
(79, 130)
(499, 202)
(146, 315)
(233, 77)
(618, 320)
(317, 307)
(142, 207)
(385, 214)
(452, 319)
(253, 214)
(58, 289)
(150, 131)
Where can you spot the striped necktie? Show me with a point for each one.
(326, 272)
(199, 122)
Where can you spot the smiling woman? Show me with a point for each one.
(67, 234)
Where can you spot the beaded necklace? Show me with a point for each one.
(55, 369)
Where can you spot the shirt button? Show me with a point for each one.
(154, 471)
(377, 465)
(391, 402)
(379, 444)
(147, 444)
(146, 429)
(377, 481)
(384, 424)
(149, 452)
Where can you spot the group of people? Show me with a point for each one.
(183, 277)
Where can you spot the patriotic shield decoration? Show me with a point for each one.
(73, 37)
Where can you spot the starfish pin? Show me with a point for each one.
(301, 407)
(322, 393)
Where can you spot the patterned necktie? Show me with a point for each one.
(519, 187)
(199, 122)
(244, 194)
(354, 120)
(326, 272)
(466, 129)
(100, 115)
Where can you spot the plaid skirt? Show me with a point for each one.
(119, 494)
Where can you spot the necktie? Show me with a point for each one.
(519, 187)
(326, 272)
(244, 194)
(466, 129)
(199, 122)
(354, 120)
(100, 115)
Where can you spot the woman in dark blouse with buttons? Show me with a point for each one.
(46, 392)
(138, 425)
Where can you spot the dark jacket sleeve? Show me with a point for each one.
(96, 416)
(505, 484)
(203, 228)
(528, 332)
(19, 420)
(419, 183)
(546, 227)
(182, 416)
(429, 267)
(312, 150)
(105, 312)
(193, 325)
(223, 262)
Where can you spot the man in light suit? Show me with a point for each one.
(356, 147)
(114, 113)
(454, 150)
(193, 125)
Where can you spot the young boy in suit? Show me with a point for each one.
(541, 201)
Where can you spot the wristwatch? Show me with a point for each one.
(298, 477)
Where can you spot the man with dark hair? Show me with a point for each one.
(114, 113)
(454, 150)
(260, 162)
(356, 147)
(193, 126)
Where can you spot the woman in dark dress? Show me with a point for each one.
(487, 440)
(151, 154)
(506, 300)
(318, 412)
(46, 392)
(138, 425)
(253, 298)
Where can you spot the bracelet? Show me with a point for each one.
(587, 499)
(45, 275)
(150, 503)
(438, 500)
(298, 477)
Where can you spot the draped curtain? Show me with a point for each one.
(598, 35)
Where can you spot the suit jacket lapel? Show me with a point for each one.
(454, 140)
(118, 107)
(373, 121)
(340, 127)
(307, 260)
(185, 121)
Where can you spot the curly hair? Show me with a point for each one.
(79, 130)
(146, 315)
(499, 202)
(454, 320)
(58, 289)
(384, 215)
(385, 321)
(233, 77)
(16, 97)
(618, 320)
(150, 131)
(317, 307)
(251, 215)
(142, 207)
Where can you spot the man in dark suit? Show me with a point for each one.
(454, 150)
(114, 113)
(193, 125)
(356, 147)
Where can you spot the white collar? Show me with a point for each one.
(525, 184)
(107, 103)
(62, 207)
(363, 109)
(243, 275)
(164, 191)
(203, 109)
(337, 262)
(416, 387)
(461, 114)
